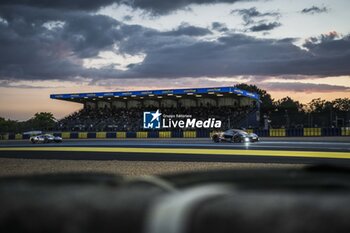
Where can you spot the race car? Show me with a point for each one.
(234, 135)
(45, 138)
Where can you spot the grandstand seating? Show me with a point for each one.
(130, 119)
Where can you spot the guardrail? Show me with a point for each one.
(304, 132)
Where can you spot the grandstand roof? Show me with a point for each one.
(81, 97)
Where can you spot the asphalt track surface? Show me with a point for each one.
(268, 150)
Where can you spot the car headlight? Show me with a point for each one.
(246, 139)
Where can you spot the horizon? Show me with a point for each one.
(68, 107)
(300, 49)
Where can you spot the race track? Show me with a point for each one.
(135, 157)
(268, 150)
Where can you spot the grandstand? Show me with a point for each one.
(123, 111)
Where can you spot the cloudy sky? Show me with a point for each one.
(299, 48)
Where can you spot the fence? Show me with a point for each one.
(305, 132)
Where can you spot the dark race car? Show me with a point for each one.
(45, 138)
(234, 135)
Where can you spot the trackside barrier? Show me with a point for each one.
(307, 132)
(141, 134)
(277, 132)
(345, 131)
(101, 135)
(177, 134)
(91, 135)
(74, 135)
(65, 135)
(294, 132)
(331, 132)
(164, 134)
(312, 131)
(111, 135)
(11, 136)
(189, 134)
(153, 134)
(131, 134)
(262, 132)
(203, 134)
(82, 135)
(121, 134)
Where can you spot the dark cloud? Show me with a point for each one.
(261, 81)
(264, 27)
(303, 87)
(314, 10)
(187, 30)
(161, 7)
(249, 15)
(237, 54)
(258, 21)
(29, 50)
(330, 44)
(221, 27)
(154, 7)
(61, 4)
(10, 84)
(127, 18)
(47, 44)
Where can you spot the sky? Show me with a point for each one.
(290, 48)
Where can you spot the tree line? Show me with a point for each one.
(44, 121)
(289, 113)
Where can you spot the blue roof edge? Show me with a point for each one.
(158, 92)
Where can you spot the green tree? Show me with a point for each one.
(326, 113)
(42, 121)
(341, 104)
(341, 112)
(289, 104)
(316, 105)
(8, 125)
(267, 101)
(288, 113)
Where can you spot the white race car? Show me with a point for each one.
(45, 138)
